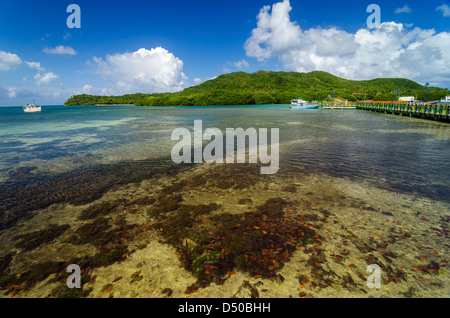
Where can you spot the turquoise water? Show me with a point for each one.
(96, 186)
(404, 154)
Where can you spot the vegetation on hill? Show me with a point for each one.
(263, 87)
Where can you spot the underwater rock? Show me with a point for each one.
(78, 187)
(32, 240)
(257, 242)
(98, 209)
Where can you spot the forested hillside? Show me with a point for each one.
(263, 87)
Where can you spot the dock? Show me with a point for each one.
(339, 107)
(434, 111)
(337, 104)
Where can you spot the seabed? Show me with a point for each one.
(217, 230)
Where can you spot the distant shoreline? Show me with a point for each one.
(114, 105)
(184, 106)
(101, 105)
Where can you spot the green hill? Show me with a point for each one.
(263, 87)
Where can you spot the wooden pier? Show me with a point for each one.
(421, 110)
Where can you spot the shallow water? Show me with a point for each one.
(400, 153)
(377, 185)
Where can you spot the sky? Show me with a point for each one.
(138, 46)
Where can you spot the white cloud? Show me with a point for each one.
(8, 60)
(274, 33)
(87, 89)
(60, 50)
(445, 9)
(67, 36)
(44, 78)
(392, 50)
(242, 64)
(154, 70)
(12, 92)
(35, 65)
(404, 9)
(197, 81)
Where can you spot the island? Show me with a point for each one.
(263, 87)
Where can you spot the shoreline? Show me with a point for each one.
(112, 105)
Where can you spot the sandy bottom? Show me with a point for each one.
(359, 225)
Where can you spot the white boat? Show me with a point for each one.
(303, 104)
(31, 108)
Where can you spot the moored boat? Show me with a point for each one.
(31, 108)
(303, 104)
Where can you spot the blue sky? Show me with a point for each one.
(153, 46)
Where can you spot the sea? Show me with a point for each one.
(405, 154)
(381, 181)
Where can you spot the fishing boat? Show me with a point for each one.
(303, 104)
(31, 108)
